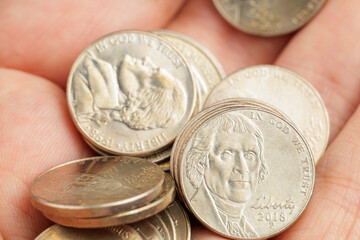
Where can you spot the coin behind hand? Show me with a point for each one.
(130, 93)
(268, 17)
(245, 172)
(96, 187)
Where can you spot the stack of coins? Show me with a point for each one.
(286, 91)
(243, 166)
(102, 191)
(268, 18)
(131, 92)
(172, 223)
(243, 170)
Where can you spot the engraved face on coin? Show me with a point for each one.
(130, 92)
(245, 172)
(268, 17)
(97, 186)
(285, 90)
(207, 70)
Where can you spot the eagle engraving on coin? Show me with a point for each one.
(224, 164)
(136, 93)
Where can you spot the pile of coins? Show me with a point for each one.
(243, 160)
(172, 223)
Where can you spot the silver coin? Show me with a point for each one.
(130, 93)
(285, 90)
(268, 17)
(245, 177)
(57, 232)
(206, 69)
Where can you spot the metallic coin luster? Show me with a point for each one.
(285, 90)
(268, 17)
(98, 186)
(130, 93)
(57, 232)
(245, 172)
(124, 217)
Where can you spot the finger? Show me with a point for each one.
(334, 211)
(36, 133)
(235, 49)
(324, 53)
(44, 37)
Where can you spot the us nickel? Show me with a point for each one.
(236, 169)
(268, 17)
(130, 92)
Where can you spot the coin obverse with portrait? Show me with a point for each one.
(245, 172)
(130, 92)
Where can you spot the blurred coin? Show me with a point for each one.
(96, 187)
(268, 17)
(130, 93)
(182, 223)
(134, 215)
(160, 226)
(160, 157)
(286, 91)
(57, 232)
(245, 177)
(165, 166)
(146, 230)
(207, 70)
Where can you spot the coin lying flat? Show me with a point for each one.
(207, 70)
(57, 232)
(131, 216)
(99, 186)
(286, 91)
(268, 17)
(130, 93)
(245, 172)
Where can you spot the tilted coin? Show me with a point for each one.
(160, 226)
(57, 232)
(98, 186)
(182, 223)
(268, 17)
(134, 215)
(207, 70)
(285, 90)
(158, 157)
(245, 172)
(165, 166)
(146, 230)
(130, 93)
(169, 223)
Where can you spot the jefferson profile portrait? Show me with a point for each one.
(224, 165)
(136, 93)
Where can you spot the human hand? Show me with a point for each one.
(39, 41)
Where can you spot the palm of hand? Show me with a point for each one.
(44, 38)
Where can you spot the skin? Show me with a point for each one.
(39, 41)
